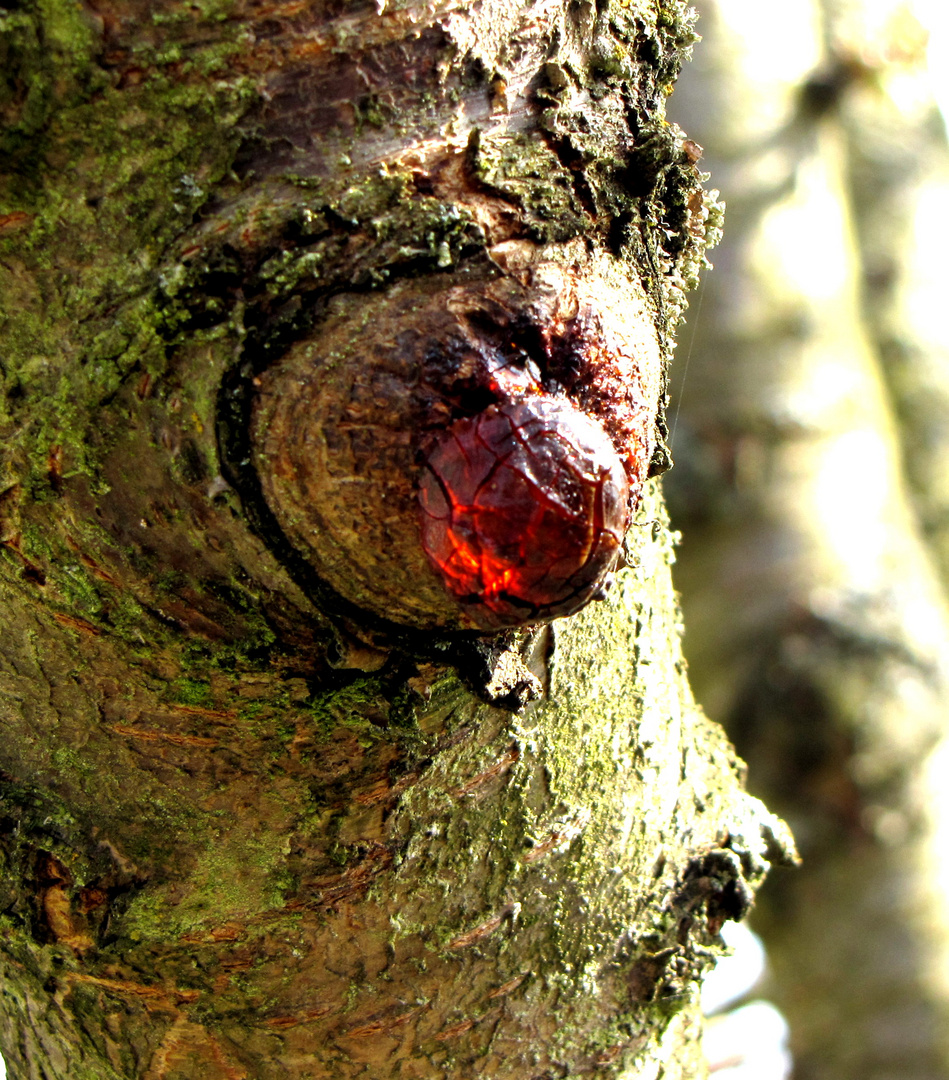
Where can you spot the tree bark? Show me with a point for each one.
(276, 801)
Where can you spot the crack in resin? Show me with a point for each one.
(523, 510)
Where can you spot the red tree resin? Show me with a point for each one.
(523, 510)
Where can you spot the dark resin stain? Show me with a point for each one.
(523, 509)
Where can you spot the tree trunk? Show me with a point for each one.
(283, 795)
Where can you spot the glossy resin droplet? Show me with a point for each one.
(523, 509)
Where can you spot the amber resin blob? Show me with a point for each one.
(467, 455)
(523, 510)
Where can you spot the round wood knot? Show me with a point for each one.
(523, 510)
(462, 456)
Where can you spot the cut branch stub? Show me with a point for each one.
(464, 457)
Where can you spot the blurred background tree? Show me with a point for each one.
(811, 440)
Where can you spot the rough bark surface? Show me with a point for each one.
(252, 827)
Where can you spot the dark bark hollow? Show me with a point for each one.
(465, 456)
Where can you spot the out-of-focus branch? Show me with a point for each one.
(898, 182)
(816, 620)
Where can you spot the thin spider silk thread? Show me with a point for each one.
(688, 357)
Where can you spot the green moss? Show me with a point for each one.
(45, 58)
(191, 691)
(237, 876)
(139, 162)
(407, 230)
(524, 170)
(355, 707)
(65, 758)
